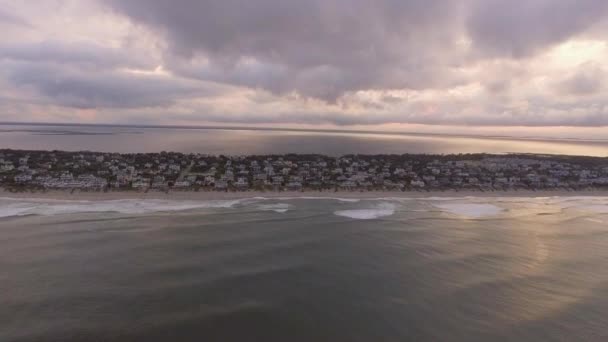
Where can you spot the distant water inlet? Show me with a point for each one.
(304, 269)
(251, 141)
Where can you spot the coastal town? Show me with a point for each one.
(165, 171)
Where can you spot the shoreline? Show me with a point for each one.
(212, 195)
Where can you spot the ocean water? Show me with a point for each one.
(255, 141)
(386, 269)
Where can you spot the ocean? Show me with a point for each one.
(312, 269)
(231, 141)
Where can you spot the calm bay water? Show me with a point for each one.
(238, 142)
(463, 269)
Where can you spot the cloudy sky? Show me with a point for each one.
(533, 64)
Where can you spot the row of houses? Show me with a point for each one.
(298, 172)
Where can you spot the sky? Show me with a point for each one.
(529, 66)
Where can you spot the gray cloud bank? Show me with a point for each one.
(317, 48)
(324, 52)
(324, 48)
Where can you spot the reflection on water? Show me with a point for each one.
(232, 142)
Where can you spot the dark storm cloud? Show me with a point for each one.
(319, 48)
(324, 48)
(509, 28)
(295, 32)
(87, 90)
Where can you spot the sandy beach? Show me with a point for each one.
(216, 195)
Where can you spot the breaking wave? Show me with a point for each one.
(468, 207)
(381, 210)
(277, 208)
(13, 207)
(286, 198)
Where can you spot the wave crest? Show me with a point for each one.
(381, 210)
(126, 206)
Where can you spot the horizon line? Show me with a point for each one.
(293, 129)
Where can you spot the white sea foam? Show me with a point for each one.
(277, 208)
(12, 210)
(472, 207)
(348, 200)
(381, 210)
(339, 199)
(471, 210)
(127, 206)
